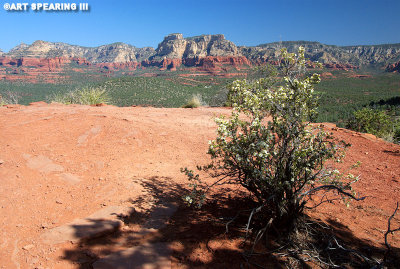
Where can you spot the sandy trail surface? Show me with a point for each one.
(65, 167)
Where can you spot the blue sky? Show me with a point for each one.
(245, 22)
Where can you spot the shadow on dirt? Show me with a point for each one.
(198, 238)
(393, 152)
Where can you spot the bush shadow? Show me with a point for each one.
(197, 238)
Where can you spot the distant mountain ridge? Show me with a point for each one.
(116, 52)
(51, 62)
(315, 51)
(175, 46)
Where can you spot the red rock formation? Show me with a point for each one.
(393, 67)
(230, 75)
(9, 62)
(130, 66)
(49, 69)
(339, 66)
(327, 75)
(35, 69)
(80, 61)
(217, 63)
(360, 76)
(170, 64)
(209, 63)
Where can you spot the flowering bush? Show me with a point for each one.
(269, 147)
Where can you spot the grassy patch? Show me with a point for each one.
(88, 95)
(194, 102)
(340, 96)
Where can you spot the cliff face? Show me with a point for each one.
(374, 54)
(174, 46)
(112, 53)
(327, 54)
(206, 53)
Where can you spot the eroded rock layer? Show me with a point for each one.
(49, 62)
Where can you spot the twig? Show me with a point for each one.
(352, 251)
(255, 210)
(390, 231)
(233, 219)
(331, 187)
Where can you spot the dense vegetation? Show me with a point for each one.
(340, 95)
(162, 91)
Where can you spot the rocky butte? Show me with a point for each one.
(212, 54)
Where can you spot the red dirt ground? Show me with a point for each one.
(59, 163)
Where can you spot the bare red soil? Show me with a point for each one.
(61, 163)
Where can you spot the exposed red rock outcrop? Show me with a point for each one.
(130, 66)
(327, 75)
(52, 64)
(339, 66)
(165, 64)
(46, 63)
(209, 63)
(32, 69)
(393, 67)
(80, 61)
(171, 64)
(50, 70)
(9, 62)
(359, 76)
(215, 60)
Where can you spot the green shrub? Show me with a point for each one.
(396, 132)
(2, 101)
(85, 96)
(368, 120)
(194, 102)
(66, 98)
(282, 162)
(11, 97)
(92, 96)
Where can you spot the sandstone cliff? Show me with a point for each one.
(327, 54)
(178, 48)
(112, 53)
(206, 53)
(174, 46)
